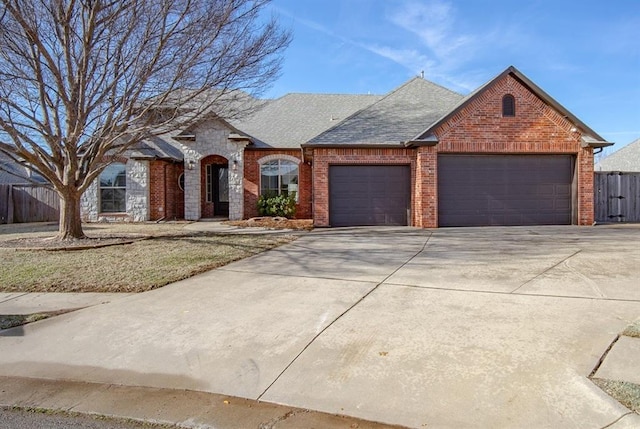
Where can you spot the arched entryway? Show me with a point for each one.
(214, 179)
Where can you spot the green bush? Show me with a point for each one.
(277, 205)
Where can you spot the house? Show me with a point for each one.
(12, 172)
(625, 159)
(422, 155)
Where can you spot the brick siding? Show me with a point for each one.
(252, 181)
(536, 128)
(166, 197)
(478, 127)
(324, 158)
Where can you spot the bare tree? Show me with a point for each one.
(81, 80)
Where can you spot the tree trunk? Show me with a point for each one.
(70, 227)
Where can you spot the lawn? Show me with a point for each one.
(171, 254)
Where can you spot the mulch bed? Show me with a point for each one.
(274, 223)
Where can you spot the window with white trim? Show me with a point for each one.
(113, 189)
(279, 177)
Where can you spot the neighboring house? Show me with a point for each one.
(14, 173)
(422, 155)
(625, 159)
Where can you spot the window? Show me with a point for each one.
(113, 189)
(217, 183)
(279, 177)
(181, 181)
(209, 183)
(508, 105)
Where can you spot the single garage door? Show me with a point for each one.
(478, 190)
(369, 194)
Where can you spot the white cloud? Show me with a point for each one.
(408, 58)
(434, 23)
(440, 48)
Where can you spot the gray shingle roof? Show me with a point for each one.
(394, 119)
(626, 158)
(293, 119)
(158, 147)
(12, 172)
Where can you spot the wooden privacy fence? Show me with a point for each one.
(617, 197)
(28, 203)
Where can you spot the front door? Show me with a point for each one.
(220, 190)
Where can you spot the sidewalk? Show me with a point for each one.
(20, 303)
(167, 406)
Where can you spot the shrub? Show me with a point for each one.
(277, 205)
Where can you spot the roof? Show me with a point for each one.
(324, 120)
(12, 172)
(626, 158)
(158, 147)
(394, 119)
(589, 136)
(296, 118)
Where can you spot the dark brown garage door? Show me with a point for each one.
(478, 190)
(369, 194)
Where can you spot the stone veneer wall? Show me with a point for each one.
(212, 139)
(137, 197)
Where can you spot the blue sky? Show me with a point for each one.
(585, 54)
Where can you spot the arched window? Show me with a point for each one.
(113, 189)
(279, 177)
(508, 105)
(181, 181)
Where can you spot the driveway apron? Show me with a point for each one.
(480, 327)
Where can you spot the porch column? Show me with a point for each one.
(236, 188)
(192, 209)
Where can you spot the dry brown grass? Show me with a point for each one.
(170, 255)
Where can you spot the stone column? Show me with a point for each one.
(192, 209)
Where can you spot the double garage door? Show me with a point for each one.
(473, 190)
(479, 190)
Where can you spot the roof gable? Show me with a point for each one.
(590, 137)
(395, 118)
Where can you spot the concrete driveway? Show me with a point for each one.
(473, 327)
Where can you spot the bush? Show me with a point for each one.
(277, 205)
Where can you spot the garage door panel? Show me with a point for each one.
(369, 194)
(476, 190)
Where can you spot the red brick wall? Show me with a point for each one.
(586, 208)
(477, 128)
(323, 158)
(536, 128)
(166, 199)
(426, 189)
(252, 181)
